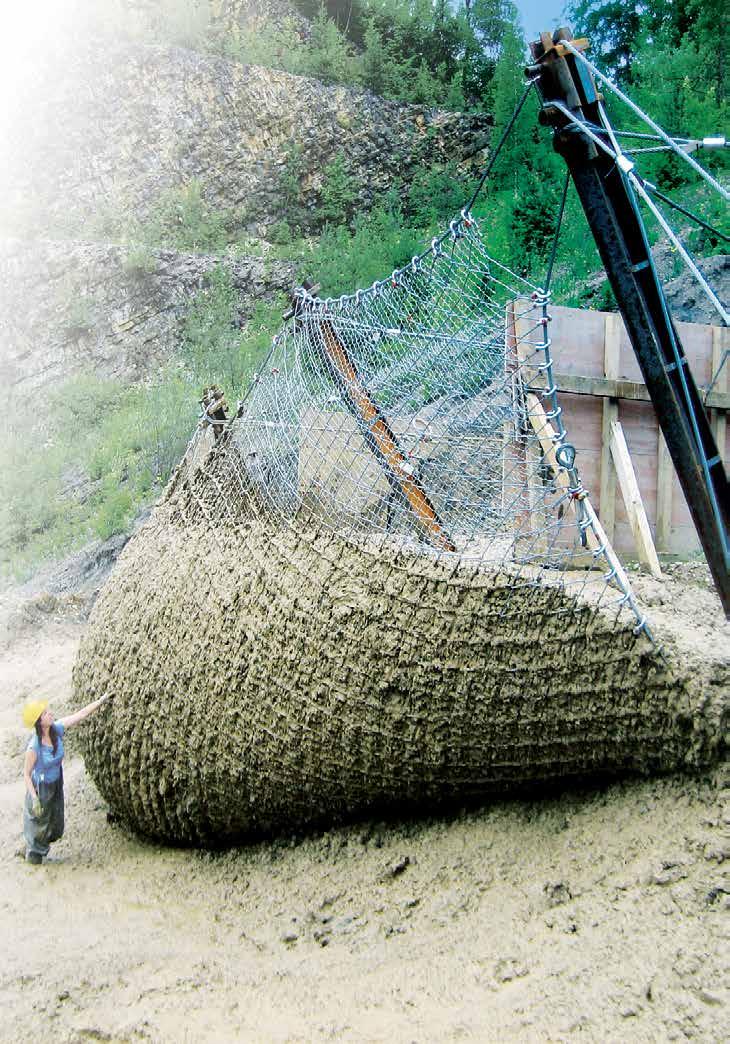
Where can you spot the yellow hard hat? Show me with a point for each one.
(32, 712)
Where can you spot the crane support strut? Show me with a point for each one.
(569, 98)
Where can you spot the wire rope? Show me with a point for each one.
(627, 167)
(647, 119)
(683, 210)
(556, 235)
(505, 134)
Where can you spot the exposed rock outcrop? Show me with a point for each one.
(248, 14)
(687, 300)
(72, 307)
(107, 130)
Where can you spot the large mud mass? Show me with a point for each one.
(267, 677)
(588, 915)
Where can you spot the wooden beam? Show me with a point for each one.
(718, 420)
(509, 436)
(546, 436)
(603, 387)
(607, 495)
(535, 542)
(632, 500)
(664, 495)
(380, 438)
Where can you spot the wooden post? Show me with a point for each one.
(536, 415)
(525, 329)
(632, 500)
(215, 406)
(664, 495)
(508, 425)
(718, 418)
(547, 437)
(611, 348)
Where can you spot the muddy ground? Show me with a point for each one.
(592, 915)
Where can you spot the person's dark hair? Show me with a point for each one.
(53, 732)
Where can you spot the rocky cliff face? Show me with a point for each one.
(106, 129)
(687, 300)
(119, 126)
(245, 14)
(74, 307)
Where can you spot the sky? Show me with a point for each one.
(538, 15)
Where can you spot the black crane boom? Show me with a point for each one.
(610, 205)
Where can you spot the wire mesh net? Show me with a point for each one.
(421, 416)
(380, 584)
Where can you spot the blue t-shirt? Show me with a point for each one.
(47, 766)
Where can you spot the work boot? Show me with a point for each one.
(35, 858)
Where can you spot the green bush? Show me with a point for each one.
(677, 84)
(79, 315)
(274, 45)
(139, 259)
(344, 260)
(185, 23)
(212, 345)
(435, 196)
(117, 444)
(338, 193)
(329, 56)
(290, 184)
(281, 233)
(115, 511)
(184, 219)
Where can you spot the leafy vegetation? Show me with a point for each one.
(101, 450)
(184, 220)
(426, 53)
(672, 57)
(105, 448)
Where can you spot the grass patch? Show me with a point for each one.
(98, 451)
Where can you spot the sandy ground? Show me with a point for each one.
(598, 915)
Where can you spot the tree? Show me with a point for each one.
(505, 89)
(330, 57)
(674, 55)
(490, 20)
(338, 192)
(613, 27)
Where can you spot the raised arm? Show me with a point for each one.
(79, 715)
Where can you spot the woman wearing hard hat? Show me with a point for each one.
(43, 775)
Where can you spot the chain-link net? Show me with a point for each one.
(380, 583)
(421, 415)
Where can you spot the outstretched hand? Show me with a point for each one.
(81, 715)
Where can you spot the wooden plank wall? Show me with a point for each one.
(596, 345)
